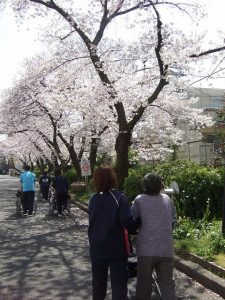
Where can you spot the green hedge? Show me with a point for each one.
(199, 186)
(70, 175)
(132, 184)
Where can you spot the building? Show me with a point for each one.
(203, 150)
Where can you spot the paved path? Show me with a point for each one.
(47, 257)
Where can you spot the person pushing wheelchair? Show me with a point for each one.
(154, 239)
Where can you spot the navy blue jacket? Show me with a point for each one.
(60, 184)
(106, 221)
(44, 181)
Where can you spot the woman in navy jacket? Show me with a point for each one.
(109, 213)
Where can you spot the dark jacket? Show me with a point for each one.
(44, 181)
(60, 184)
(106, 221)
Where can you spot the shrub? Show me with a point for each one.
(70, 175)
(37, 172)
(191, 230)
(217, 240)
(132, 184)
(200, 187)
(200, 237)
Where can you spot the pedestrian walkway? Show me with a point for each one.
(47, 258)
(44, 259)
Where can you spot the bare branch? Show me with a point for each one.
(163, 109)
(64, 37)
(150, 100)
(208, 52)
(162, 68)
(52, 5)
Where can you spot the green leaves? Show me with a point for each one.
(201, 188)
(200, 237)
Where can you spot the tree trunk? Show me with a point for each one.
(55, 161)
(40, 163)
(50, 165)
(122, 147)
(93, 153)
(75, 162)
(11, 163)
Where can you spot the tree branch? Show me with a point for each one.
(208, 52)
(52, 5)
(162, 69)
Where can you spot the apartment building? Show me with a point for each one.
(203, 149)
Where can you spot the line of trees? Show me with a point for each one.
(92, 91)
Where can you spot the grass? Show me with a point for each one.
(199, 247)
(83, 197)
(202, 238)
(220, 260)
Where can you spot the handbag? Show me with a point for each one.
(126, 239)
(125, 232)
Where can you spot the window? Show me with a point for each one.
(210, 138)
(217, 101)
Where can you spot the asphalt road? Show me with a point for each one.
(44, 257)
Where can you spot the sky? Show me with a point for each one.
(18, 44)
(15, 45)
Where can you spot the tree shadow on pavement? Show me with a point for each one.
(44, 259)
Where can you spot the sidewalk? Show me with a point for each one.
(47, 257)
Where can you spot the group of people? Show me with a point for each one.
(58, 183)
(110, 218)
(152, 215)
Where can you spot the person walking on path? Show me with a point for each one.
(44, 183)
(27, 180)
(61, 187)
(109, 213)
(154, 239)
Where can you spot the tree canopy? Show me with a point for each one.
(123, 88)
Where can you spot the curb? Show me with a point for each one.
(81, 205)
(210, 266)
(201, 275)
(195, 269)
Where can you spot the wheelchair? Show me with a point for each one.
(53, 203)
(19, 208)
(132, 270)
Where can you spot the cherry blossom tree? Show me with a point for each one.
(48, 110)
(134, 74)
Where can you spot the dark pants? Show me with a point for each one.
(118, 277)
(61, 199)
(28, 201)
(44, 192)
(164, 271)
